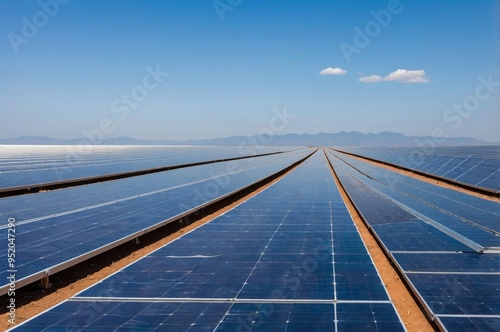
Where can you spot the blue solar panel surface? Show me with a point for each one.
(414, 236)
(473, 165)
(483, 324)
(475, 218)
(55, 202)
(55, 228)
(289, 258)
(458, 286)
(459, 294)
(448, 262)
(31, 165)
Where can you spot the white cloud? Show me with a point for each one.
(407, 76)
(333, 71)
(371, 79)
(400, 75)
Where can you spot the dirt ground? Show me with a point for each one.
(31, 300)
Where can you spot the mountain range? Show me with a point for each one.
(352, 138)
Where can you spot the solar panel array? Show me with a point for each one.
(474, 218)
(57, 229)
(30, 166)
(476, 166)
(444, 242)
(289, 259)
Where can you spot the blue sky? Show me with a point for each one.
(225, 67)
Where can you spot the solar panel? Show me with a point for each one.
(459, 294)
(458, 323)
(448, 262)
(81, 197)
(129, 316)
(474, 165)
(58, 236)
(287, 259)
(367, 317)
(33, 165)
(414, 236)
(474, 218)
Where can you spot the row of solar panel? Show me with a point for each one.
(55, 229)
(476, 166)
(288, 259)
(22, 158)
(29, 165)
(458, 286)
(57, 202)
(474, 218)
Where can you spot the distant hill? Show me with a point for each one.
(352, 138)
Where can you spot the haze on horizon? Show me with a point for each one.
(203, 69)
